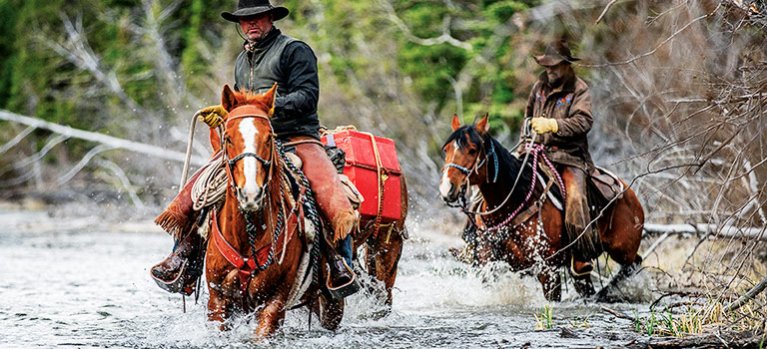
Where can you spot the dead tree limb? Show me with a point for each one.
(604, 12)
(114, 142)
(707, 229)
(444, 38)
(19, 137)
(759, 288)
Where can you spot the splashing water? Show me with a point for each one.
(72, 285)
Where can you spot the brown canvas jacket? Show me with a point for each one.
(570, 105)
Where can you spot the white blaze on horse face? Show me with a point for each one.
(444, 183)
(248, 131)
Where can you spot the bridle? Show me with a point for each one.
(479, 161)
(244, 112)
(478, 164)
(529, 137)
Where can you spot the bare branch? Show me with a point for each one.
(604, 12)
(117, 143)
(444, 38)
(18, 138)
(77, 51)
(124, 181)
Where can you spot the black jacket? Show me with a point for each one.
(298, 86)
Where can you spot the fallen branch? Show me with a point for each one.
(618, 314)
(114, 142)
(747, 297)
(707, 229)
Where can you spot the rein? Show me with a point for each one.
(537, 150)
(463, 205)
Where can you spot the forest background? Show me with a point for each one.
(679, 92)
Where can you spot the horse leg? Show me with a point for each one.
(624, 273)
(331, 312)
(270, 317)
(221, 301)
(621, 238)
(584, 287)
(386, 251)
(551, 282)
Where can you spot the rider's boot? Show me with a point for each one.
(342, 281)
(332, 203)
(179, 272)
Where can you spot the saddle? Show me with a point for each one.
(605, 184)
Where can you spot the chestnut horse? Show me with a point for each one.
(383, 247)
(525, 228)
(258, 259)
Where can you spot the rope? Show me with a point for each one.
(303, 141)
(252, 230)
(516, 181)
(380, 177)
(190, 140)
(325, 131)
(210, 187)
(537, 151)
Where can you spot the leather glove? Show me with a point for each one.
(544, 125)
(213, 115)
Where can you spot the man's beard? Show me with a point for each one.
(555, 82)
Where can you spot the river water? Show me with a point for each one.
(83, 283)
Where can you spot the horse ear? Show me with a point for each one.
(270, 97)
(228, 100)
(482, 125)
(456, 122)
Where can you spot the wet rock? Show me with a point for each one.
(565, 332)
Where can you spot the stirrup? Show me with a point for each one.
(576, 274)
(344, 290)
(178, 284)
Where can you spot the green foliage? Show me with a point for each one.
(436, 68)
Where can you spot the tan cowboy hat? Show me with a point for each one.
(247, 8)
(556, 52)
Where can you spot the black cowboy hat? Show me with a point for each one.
(247, 8)
(556, 52)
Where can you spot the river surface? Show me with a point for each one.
(82, 283)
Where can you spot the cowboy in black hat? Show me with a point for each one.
(269, 57)
(559, 109)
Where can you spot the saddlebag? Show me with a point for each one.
(372, 165)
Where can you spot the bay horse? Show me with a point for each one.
(519, 222)
(257, 256)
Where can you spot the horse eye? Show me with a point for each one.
(472, 151)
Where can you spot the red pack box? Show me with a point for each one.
(362, 170)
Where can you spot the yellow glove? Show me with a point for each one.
(544, 125)
(213, 115)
